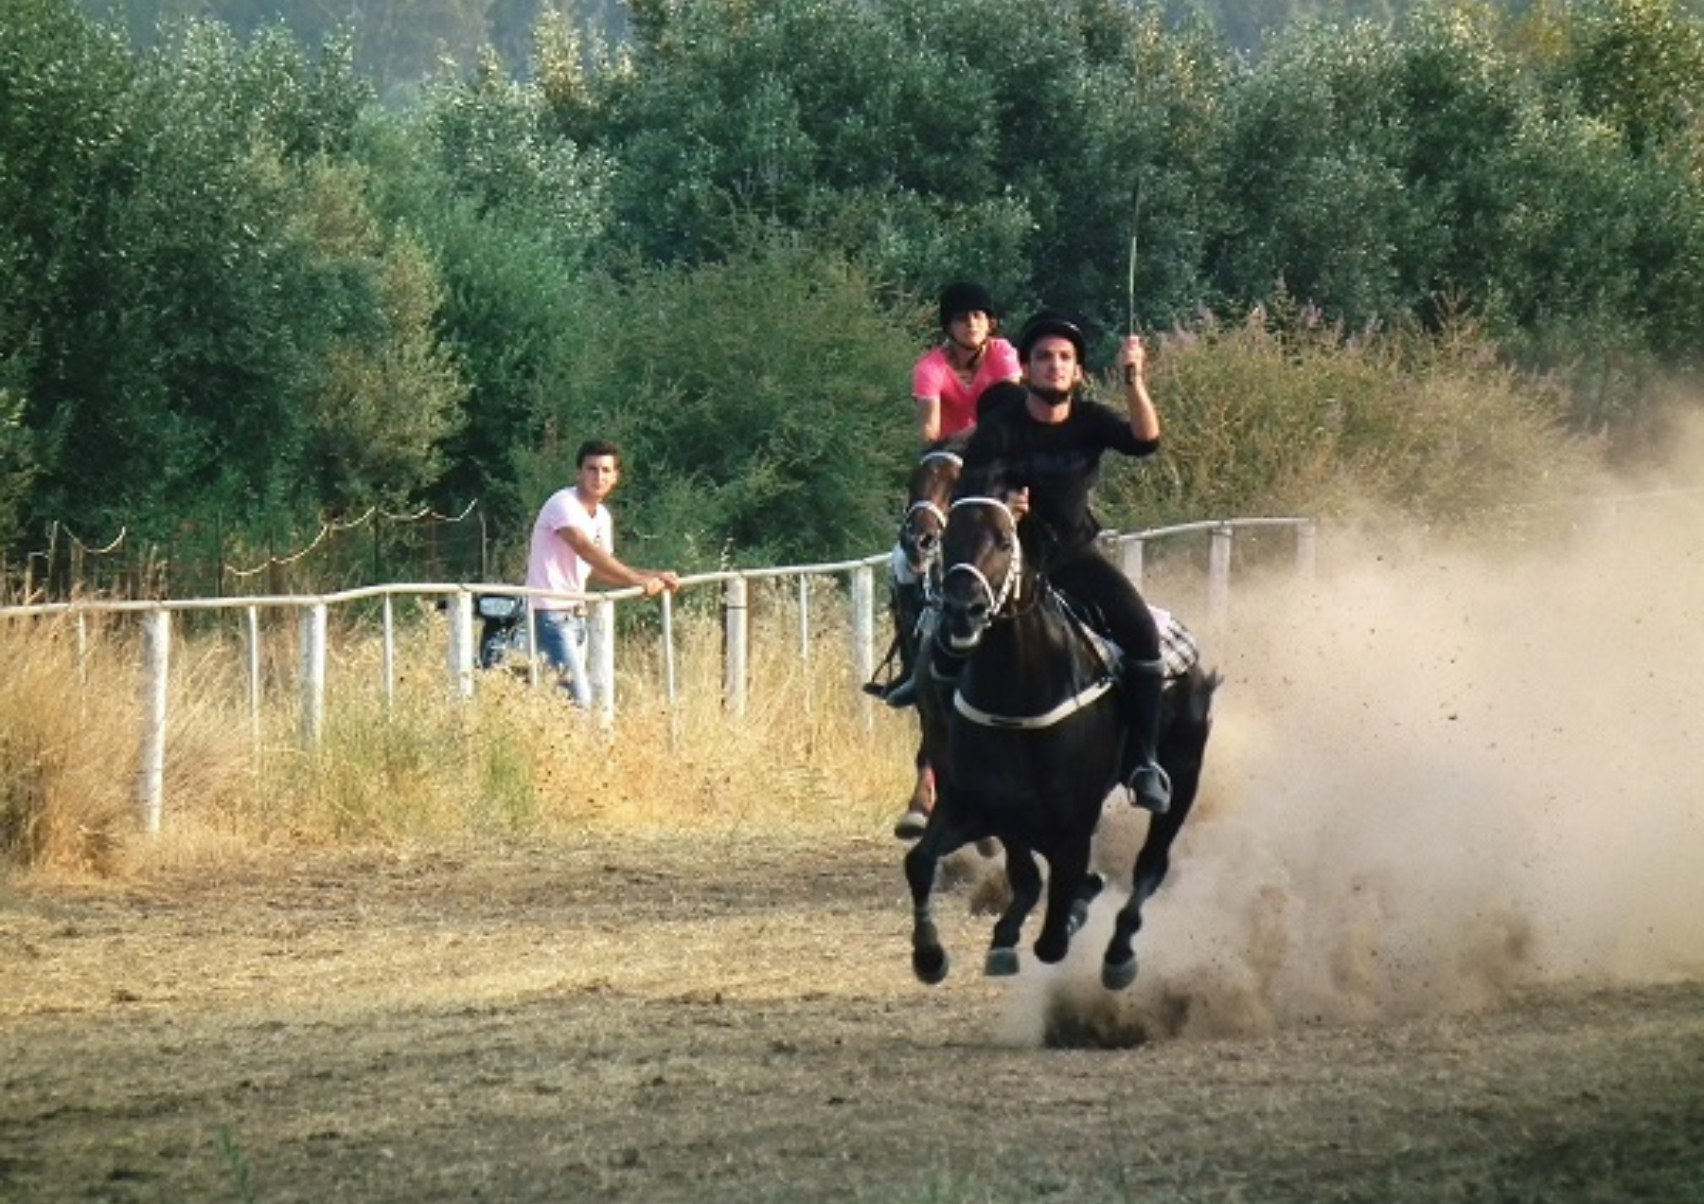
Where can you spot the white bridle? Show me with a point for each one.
(924, 504)
(927, 506)
(1011, 587)
(1009, 591)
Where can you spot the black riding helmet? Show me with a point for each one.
(1052, 322)
(964, 297)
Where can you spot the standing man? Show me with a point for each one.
(573, 545)
(948, 379)
(1045, 454)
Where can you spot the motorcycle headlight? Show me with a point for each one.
(498, 606)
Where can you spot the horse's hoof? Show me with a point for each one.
(1000, 963)
(1115, 976)
(1052, 955)
(930, 968)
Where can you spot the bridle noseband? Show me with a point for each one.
(1011, 586)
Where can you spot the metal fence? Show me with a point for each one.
(313, 611)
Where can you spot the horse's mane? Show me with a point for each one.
(985, 480)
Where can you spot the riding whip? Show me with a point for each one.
(1130, 284)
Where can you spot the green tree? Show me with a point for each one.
(1637, 64)
(760, 401)
(1315, 177)
(390, 397)
(512, 214)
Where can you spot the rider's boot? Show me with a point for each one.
(1144, 682)
(907, 606)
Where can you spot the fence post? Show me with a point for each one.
(388, 654)
(532, 641)
(602, 658)
(461, 644)
(669, 689)
(804, 617)
(1219, 576)
(1130, 558)
(156, 660)
(313, 674)
(734, 647)
(252, 629)
(1307, 550)
(863, 629)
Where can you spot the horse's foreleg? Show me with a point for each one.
(1024, 877)
(1065, 879)
(1087, 893)
(928, 957)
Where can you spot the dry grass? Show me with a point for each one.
(514, 762)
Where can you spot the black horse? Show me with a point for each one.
(1026, 732)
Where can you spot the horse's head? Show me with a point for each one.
(983, 564)
(927, 495)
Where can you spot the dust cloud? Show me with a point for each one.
(1435, 778)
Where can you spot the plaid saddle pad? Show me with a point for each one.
(1178, 649)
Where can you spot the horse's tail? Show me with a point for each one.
(1192, 697)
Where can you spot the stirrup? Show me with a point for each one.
(1150, 787)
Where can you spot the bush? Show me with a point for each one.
(1284, 416)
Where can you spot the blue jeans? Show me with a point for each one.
(562, 641)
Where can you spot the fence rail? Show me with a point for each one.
(457, 599)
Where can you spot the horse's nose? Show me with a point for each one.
(969, 616)
(928, 542)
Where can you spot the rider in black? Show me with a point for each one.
(1044, 456)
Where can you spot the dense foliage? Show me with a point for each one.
(244, 288)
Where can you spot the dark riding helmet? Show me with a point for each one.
(964, 297)
(1052, 322)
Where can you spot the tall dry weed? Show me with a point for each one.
(415, 763)
(1277, 416)
(65, 731)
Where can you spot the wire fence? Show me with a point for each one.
(207, 561)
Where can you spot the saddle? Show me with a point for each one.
(1179, 653)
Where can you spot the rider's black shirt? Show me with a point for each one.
(1058, 462)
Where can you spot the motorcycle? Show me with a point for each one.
(504, 638)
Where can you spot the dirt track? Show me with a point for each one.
(611, 1021)
(1436, 935)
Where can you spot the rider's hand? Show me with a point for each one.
(1132, 358)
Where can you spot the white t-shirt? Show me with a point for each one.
(551, 563)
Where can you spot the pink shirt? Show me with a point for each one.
(933, 379)
(551, 563)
